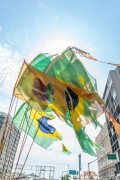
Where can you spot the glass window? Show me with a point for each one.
(113, 148)
(114, 94)
(107, 90)
(119, 167)
(119, 154)
(116, 146)
(119, 142)
(110, 124)
(111, 140)
(118, 109)
(115, 115)
(112, 132)
(117, 120)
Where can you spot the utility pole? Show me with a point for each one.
(79, 165)
(53, 171)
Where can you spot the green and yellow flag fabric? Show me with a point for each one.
(65, 150)
(37, 125)
(42, 61)
(70, 69)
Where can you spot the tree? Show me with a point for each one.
(66, 177)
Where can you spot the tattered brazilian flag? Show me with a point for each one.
(37, 125)
(64, 85)
(41, 91)
(26, 89)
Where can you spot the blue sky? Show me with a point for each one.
(95, 24)
(33, 26)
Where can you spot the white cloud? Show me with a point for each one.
(10, 63)
(52, 45)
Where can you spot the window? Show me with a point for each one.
(119, 154)
(118, 68)
(111, 99)
(110, 134)
(119, 142)
(117, 120)
(114, 94)
(115, 115)
(111, 140)
(111, 124)
(111, 110)
(113, 148)
(107, 90)
(110, 83)
(117, 168)
(116, 145)
(118, 109)
(114, 137)
(114, 129)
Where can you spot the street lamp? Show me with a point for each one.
(79, 165)
(89, 168)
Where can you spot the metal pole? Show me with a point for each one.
(44, 172)
(89, 169)
(50, 173)
(36, 170)
(79, 165)
(53, 172)
(40, 171)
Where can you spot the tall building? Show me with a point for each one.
(106, 168)
(112, 100)
(9, 150)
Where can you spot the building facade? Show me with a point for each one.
(11, 140)
(106, 168)
(112, 100)
(86, 175)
